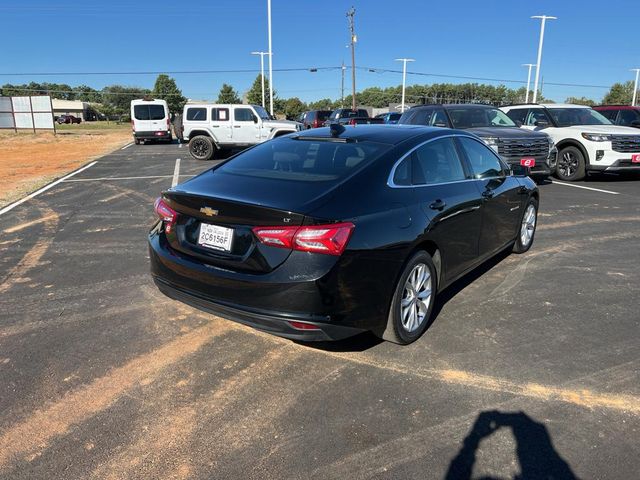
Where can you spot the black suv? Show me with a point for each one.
(341, 113)
(515, 146)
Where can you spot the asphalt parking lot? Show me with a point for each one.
(531, 367)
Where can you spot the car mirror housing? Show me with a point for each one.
(542, 124)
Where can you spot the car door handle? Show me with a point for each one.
(237, 126)
(487, 194)
(437, 205)
(215, 126)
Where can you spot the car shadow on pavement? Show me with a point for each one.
(537, 457)
(459, 285)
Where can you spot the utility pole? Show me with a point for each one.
(635, 87)
(528, 80)
(544, 19)
(404, 77)
(342, 86)
(350, 14)
(262, 54)
(270, 59)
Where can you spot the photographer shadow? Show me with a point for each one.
(536, 455)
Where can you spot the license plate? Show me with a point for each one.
(528, 162)
(213, 236)
(635, 158)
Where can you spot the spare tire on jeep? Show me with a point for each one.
(201, 147)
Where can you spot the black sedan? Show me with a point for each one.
(326, 233)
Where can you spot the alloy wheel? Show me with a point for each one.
(568, 164)
(200, 148)
(528, 227)
(416, 298)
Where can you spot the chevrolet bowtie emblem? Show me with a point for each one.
(209, 212)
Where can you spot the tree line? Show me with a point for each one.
(116, 99)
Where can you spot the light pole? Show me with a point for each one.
(544, 19)
(635, 86)
(270, 59)
(262, 54)
(528, 80)
(404, 77)
(352, 29)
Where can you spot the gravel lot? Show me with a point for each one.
(532, 366)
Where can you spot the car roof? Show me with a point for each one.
(617, 107)
(453, 105)
(390, 134)
(546, 105)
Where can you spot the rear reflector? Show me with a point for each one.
(329, 239)
(303, 326)
(165, 213)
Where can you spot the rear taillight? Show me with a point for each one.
(316, 123)
(328, 239)
(165, 213)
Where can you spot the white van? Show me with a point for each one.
(150, 120)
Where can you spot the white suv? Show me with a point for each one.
(585, 139)
(209, 127)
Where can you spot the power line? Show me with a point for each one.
(159, 72)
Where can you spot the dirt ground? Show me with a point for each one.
(28, 161)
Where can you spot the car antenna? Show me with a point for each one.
(336, 129)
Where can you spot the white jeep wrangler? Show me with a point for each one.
(209, 127)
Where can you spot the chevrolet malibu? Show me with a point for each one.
(326, 233)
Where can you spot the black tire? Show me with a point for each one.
(397, 330)
(523, 242)
(571, 164)
(201, 147)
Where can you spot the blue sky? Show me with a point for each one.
(591, 43)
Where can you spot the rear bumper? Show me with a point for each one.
(269, 322)
(308, 289)
(159, 135)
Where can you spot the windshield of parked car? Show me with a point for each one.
(470, 117)
(566, 117)
(262, 113)
(303, 160)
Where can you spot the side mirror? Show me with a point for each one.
(541, 124)
(255, 119)
(519, 170)
(518, 123)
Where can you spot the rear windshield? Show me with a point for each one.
(149, 112)
(303, 160)
(478, 117)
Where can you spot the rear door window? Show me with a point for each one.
(219, 114)
(483, 161)
(196, 114)
(518, 115)
(303, 160)
(436, 162)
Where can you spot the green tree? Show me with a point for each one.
(620, 94)
(292, 107)
(228, 95)
(580, 101)
(324, 104)
(85, 93)
(254, 95)
(166, 89)
(119, 97)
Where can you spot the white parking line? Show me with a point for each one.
(585, 188)
(127, 146)
(45, 188)
(102, 179)
(176, 173)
